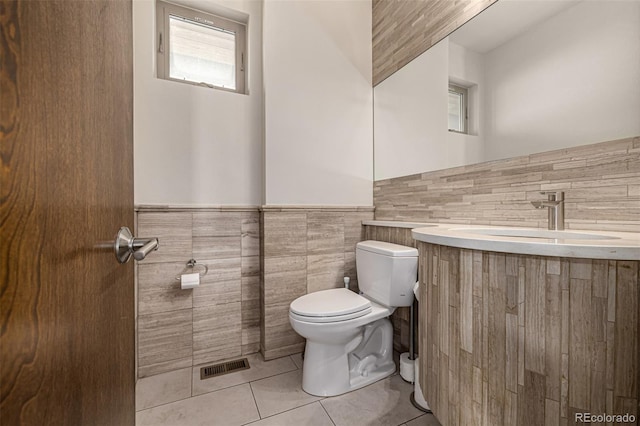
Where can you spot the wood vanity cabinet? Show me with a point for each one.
(511, 339)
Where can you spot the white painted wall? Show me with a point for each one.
(466, 69)
(573, 80)
(194, 145)
(410, 114)
(410, 117)
(318, 102)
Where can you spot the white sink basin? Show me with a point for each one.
(540, 242)
(536, 233)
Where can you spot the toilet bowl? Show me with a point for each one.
(349, 336)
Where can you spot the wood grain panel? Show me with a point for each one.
(534, 308)
(66, 144)
(568, 355)
(627, 341)
(403, 29)
(553, 321)
(496, 338)
(579, 343)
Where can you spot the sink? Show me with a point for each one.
(536, 233)
(585, 244)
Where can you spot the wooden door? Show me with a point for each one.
(67, 306)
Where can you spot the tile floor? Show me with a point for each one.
(270, 394)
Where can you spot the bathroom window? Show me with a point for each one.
(200, 48)
(458, 97)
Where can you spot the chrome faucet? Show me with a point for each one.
(555, 204)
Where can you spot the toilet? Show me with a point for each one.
(349, 336)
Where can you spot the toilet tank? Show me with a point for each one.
(387, 272)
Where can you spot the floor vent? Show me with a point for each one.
(223, 368)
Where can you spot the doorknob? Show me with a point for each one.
(126, 245)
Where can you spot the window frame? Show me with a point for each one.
(163, 12)
(464, 94)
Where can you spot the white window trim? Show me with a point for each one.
(453, 88)
(164, 10)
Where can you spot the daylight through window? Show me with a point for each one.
(457, 109)
(200, 48)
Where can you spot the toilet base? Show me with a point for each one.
(330, 370)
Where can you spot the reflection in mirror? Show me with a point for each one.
(540, 75)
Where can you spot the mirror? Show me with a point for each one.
(539, 74)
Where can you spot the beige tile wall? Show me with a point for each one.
(305, 249)
(220, 319)
(403, 29)
(601, 184)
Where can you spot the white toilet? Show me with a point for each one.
(349, 337)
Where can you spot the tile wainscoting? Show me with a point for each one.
(601, 184)
(304, 249)
(259, 261)
(218, 320)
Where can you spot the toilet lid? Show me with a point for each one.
(329, 303)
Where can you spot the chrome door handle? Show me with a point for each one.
(126, 245)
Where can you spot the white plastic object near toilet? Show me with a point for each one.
(349, 336)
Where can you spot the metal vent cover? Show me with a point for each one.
(223, 368)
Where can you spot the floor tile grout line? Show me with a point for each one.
(325, 410)
(163, 404)
(320, 398)
(269, 377)
(287, 410)
(294, 362)
(255, 402)
(191, 378)
(421, 415)
(248, 381)
(190, 397)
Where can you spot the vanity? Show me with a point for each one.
(528, 326)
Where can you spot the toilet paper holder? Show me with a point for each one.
(192, 264)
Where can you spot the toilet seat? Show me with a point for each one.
(333, 305)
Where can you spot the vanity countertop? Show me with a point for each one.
(397, 224)
(532, 241)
